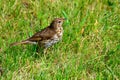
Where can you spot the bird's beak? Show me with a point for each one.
(64, 19)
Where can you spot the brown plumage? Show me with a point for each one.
(46, 37)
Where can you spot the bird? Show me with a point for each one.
(47, 36)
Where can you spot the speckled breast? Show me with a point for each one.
(56, 38)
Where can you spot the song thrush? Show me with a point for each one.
(46, 37)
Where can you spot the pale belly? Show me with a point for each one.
(51, 42)
(56, 38)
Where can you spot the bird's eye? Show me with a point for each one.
(59, 21)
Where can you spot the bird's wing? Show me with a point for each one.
(42, 35)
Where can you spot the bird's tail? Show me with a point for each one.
(18, 43)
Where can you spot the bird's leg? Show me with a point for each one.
(40, 49)
(45, 51)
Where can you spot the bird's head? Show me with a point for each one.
(57, 22)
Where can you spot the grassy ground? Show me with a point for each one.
(90, 49)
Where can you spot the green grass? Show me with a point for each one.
(90, 49)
